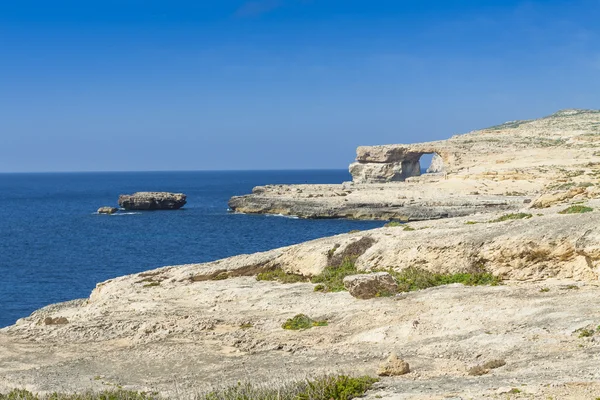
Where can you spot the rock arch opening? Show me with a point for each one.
(432, 163)
(418, 163)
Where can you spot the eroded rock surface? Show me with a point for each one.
(152, 201)
(368, 286)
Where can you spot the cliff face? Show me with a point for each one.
(498, 168)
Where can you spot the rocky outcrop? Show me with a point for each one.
(393, 366)
(391, 201)
(107, 210)
(152, 201)
(497, 168)
(390, 163)
(368, 286)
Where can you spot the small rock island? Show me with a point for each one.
(152, 201)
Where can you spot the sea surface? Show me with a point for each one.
(54, 247)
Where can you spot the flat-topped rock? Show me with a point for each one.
(152, 201)
(107, 210)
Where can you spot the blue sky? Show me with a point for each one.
(277, 84)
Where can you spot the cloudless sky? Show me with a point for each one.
(100, 85)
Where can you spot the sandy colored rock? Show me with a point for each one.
(107, 210)
(393, 366)
(368, 286)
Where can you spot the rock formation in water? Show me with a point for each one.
(152, 201)
(107, 210)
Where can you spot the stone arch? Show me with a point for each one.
(411, 165)
(376, 164)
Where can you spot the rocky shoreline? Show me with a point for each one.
(528, 214)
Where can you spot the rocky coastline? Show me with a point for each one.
(520, 202)
(488, 170)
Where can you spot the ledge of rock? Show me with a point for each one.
(152, 201)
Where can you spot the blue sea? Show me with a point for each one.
(54, 247)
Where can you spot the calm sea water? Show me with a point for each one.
(53, 247)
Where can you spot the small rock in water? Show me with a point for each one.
(393, 366)
(107, 210)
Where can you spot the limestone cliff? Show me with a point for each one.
(497, 168)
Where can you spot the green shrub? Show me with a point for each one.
(413, 278)
(332, 278)
(220, 276)
(280, 276)
(392, 224)
(152, 284)
(300, 322)
(408, 228)
(105, 395)
(340, 387)
(576, 210)
(326, 388)
(509, 217)
(586, 333)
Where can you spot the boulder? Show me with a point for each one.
(152, 201)
(107, 210)
(393, 366)
(367, 286)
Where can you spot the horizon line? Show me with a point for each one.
(171, 170)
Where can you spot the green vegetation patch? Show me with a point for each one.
(413, 278)
(332, 277)
(105, 395)
(393, 224)
(300, 322)
(279, 275)
(576, 210)
(510, 217)
(341, 387)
